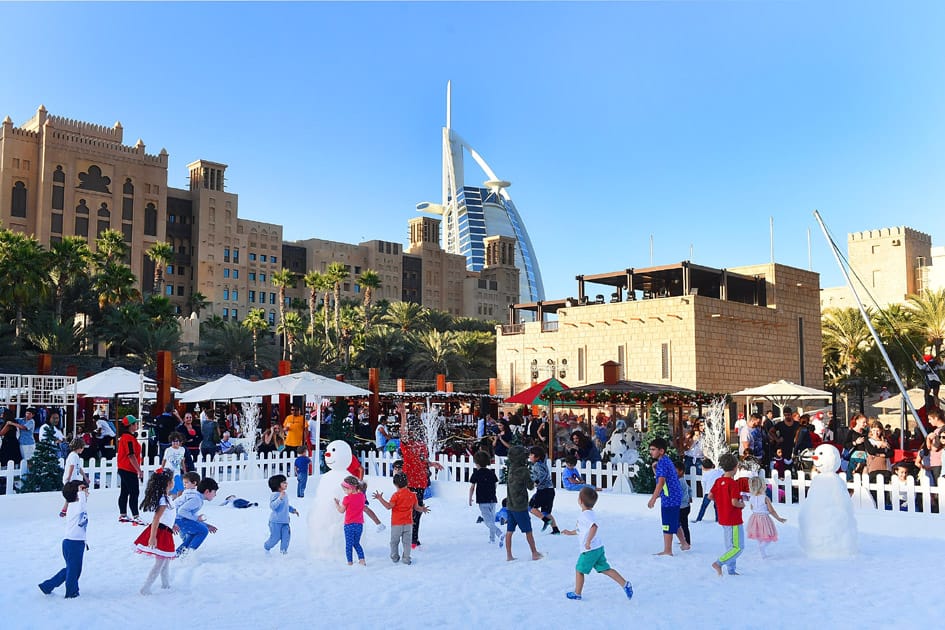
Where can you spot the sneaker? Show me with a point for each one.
(501, 543)
(478, 520)
(45, 592)
(62, 513)
(573, 595)
(138, 521)
(547, 522)
(502, 521)
(414, 545)
(628, 589)
(381, 527)
(124, 519)
(555, 530)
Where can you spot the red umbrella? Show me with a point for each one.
(532, 395)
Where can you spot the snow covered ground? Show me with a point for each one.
(459, 580)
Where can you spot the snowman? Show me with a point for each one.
(325, 523)
(827, 527)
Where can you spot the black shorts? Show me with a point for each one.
(543, 500)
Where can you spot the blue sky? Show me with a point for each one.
(691, 122)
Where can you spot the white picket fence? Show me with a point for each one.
(792, 488)
(787, 490)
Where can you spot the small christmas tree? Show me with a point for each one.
(45, 473)
(657, 426)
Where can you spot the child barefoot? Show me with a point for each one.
(760, 527)
(517, 487)
(592, 549)
(352, 506)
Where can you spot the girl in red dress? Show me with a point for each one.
(157, 540)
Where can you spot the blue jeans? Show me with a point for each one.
(303, 481)
(705, 503)
(192, 533)
(353, 540)
(72, 551)
(278, 533)
(689, 462)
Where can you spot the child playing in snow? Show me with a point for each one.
(302, 462)
(279, 531)
(685, 503)
(727, 494)
(237, 502)
(543, 501)
(668, 491)
(709, 474)
(571, 478)
(780, 464)
(76, 494)
(174, 461)
(157, 540)
(518, 484)
(402, 504)
(73, 470)
(592, 548)
(483, 482)
(191, 526)
(352, 506)
(760, 527)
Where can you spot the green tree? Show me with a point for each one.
(291, 327)
(408, 317)
(23, 267)
(233, 345)
(144, 343)
(110, 247)
(476, 352)
(45, 473)
(439, 320)
(368, 281)
(657, 427)
(311, 353)
(384, 347)
(435, 352)
(114, 284)
(846, 339)
(53, 337)
(928, 317)
(68, 262)
(256, 323)
(161, 254)
(282, 279)
(313, 280)
(197, 302)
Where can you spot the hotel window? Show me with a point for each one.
(236, 295)
(226, 272)
(252, 276)
(126, 232)
(273, 259)
(236, 272)
(56, 225)
(252, 257)
(272, 298)
(226, 294)
(262, 258)
(169, 290)
(235, 314)
(272, 318)
(58, 191)
(18, 200)
(102, 226)
(666, 366)
(150, 220)
(226, 254)
(82, 226)
(252, 297)
(226, 313)
(170, 270)
(262, 277)
(236, 254)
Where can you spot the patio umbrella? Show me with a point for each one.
(782, 392)
(916, 395)
(532, 395)
(307, 384)
(113, 382)
(226, 387)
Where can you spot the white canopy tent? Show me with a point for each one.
(117, 382)
(782, 392)
(227, 387)
(311, 386)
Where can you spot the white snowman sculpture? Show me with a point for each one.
(827, 527)
(325, 523)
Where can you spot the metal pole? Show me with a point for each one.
(869, 324)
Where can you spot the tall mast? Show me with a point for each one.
(449, 89)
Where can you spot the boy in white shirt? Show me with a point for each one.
(76, 494)
(592, 548)
(174, 462)
(710, 474)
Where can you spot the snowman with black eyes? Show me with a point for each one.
(325, 523)
(827, 526)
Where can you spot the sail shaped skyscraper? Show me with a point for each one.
(471, 213)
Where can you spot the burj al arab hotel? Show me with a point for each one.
(471, 213)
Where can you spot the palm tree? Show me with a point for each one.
(110, 247)
(256, 322)
(161, 254)
(477, 352)
(406, 316)
(846, 339)
(313, 280)
(23, 264)
(439, 320)
(369, 280)
(197, 302)
(51, 336)
(928, 316)
(291, 327)
(434, 353)
(68, 261)
(384, 347)
(337, 273)
(311, 353)
(114, 284)
(234, 344)
(282, 279)
(145, 343)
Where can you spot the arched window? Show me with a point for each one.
(58, 176)
(81, 208)
(128, 201)
(150, 220)
(103, 210)
(58, 189)
(18, 200)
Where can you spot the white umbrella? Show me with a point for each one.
(308, 384)
(782, 392)
(110, 383)
(916, 395)
(226, 387)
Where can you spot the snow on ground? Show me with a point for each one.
(458, 579)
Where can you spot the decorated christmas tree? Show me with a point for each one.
(45, 473)
(657, 427)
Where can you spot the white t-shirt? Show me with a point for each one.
(105, 428)
(587, 519)
(75, 462)
(709, 477)
(174, 458)
(312, 429)
(77, 518)
(758, 504)
(170, 514)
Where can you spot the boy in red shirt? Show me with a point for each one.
(727, 492)
(402, 504)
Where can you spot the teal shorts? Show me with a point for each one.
(593, 559)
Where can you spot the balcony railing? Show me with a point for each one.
(549, 326)
(513, 329)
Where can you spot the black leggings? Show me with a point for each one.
(419, 492)
(684, 522)
(129, 492)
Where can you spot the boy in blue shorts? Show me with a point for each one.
(668, 491)
(592, 549)
(518, 484)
